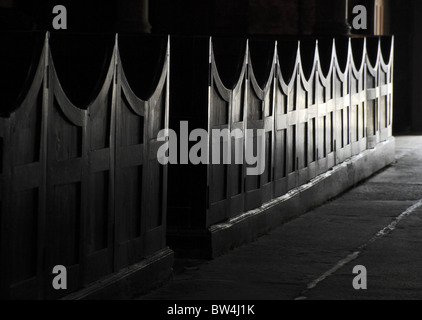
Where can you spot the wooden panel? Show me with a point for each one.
(25, 237)
(27, 134)
(132, 126)
(236, 169)
(85, 170)
(139, 178)
(66, 187)
(129, 204)
(311, 124)
(255, 121)
(101, 125)
(25, 195)
(98, 220)
(129, 195)
(219, 169)
(155, 174)
(64, 224)
(68, 139)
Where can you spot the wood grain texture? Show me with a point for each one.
(312, 121)
(74, 187)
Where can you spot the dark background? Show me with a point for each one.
(245, 17)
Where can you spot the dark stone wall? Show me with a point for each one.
(190, 17)
(402, 28)
(407, 29)
(230, 17)
(273, 17)
(289, 17)
(234, 17)
(414, 81)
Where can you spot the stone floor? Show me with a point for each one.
(376, 225)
